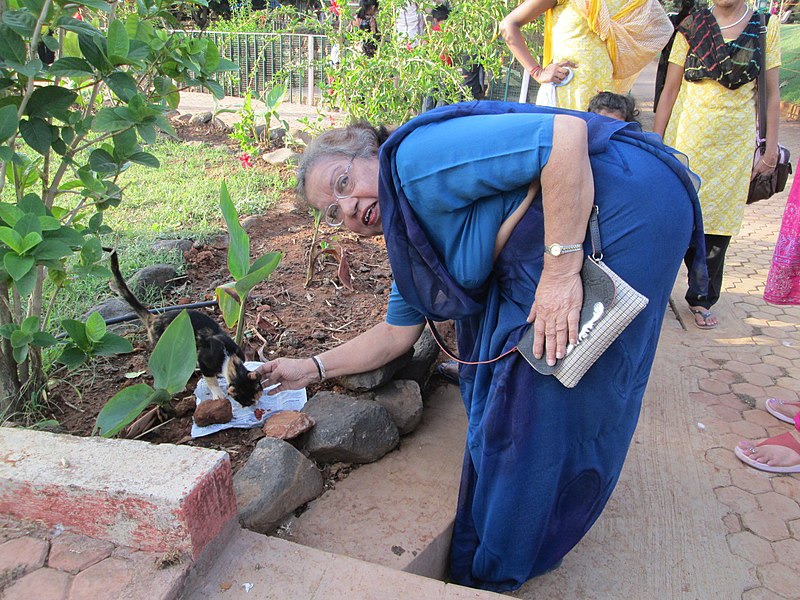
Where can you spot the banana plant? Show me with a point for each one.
(232, 297)
(171, 363)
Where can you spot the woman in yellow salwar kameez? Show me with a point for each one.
(606, 43)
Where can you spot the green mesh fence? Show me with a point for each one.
(266, 59)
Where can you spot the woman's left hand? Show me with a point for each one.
(556, 310)
(762, 167)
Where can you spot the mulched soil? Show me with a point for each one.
(284, 317)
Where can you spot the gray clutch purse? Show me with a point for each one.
(609, 306)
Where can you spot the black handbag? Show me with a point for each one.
(764, 186)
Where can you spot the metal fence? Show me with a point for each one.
(267, 59)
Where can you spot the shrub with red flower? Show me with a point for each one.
(335, 8)
(245, 159)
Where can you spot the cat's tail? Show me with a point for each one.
(123, 290)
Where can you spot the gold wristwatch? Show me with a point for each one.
(558, 249)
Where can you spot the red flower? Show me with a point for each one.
(245, 160)
(409, 47)
(331, 79)
(335, 8)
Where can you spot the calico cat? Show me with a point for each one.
(217, 353)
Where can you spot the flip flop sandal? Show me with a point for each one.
(770, 406)
(786, 440)
(705, 314)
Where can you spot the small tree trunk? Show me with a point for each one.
(9, 378)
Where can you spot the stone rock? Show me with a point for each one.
(403, 400)
(276, 135)
(211, 412)
(158, 276)
(185, 117)
(218, 123)
(287, 424)
(201, 118)
(172, 113)
(110, 308)
(249, 222)
(276, 480)
(168, 245)
(348, 429)
(299, 134)
(419, 369)
(364, 382)
(280, 156)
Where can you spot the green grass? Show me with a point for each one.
(790, 59)
(181, 199)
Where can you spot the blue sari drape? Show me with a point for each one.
(542, 460)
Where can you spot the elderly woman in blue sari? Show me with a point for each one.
(475, 200)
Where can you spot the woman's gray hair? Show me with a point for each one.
(359, 140)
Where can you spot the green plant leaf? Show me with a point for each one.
(239, 242)
(49, 100)
(118, 44)
(101, 161)
(30, 241)
(228, 306)
(123, 409)
(72, 356)
(122, 84)
(77, 332)
(8, 122)
(112, 344)
(26, 283)
(144, 158)
(70, 66)
(20, 21)
(12, 47)
(11, 238)
(42, 339)
(95, 327)
(52, 250)
(36, 133)
(7, 329)
(9, 213)
(226, 65)
(96, 4)
(20, 354)
(125, 144)
(94, 50)
(30, 325)
(173, 359)
(260, 271)
(20, 339)
(108, 119)
(18, 266)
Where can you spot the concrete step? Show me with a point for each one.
(161, 498)
(257, 566)
(397, 512)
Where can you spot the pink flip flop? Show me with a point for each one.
(770, 406)
(786, 440)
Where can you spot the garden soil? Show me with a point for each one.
(284, 316)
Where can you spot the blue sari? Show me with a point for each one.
(542, 460)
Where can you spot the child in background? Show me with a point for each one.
(615, 106)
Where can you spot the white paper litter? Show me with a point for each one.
(244, 417)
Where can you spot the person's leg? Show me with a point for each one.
(700, 303)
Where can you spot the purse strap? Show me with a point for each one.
(597, 256)
(761, 82)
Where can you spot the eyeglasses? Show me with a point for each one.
(342, 188)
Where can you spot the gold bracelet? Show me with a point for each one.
(769, 165)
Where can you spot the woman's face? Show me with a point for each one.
(728, 3)
(360, 209)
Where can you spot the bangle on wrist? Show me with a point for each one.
(320, 367)
(535, 70)
(769, 165)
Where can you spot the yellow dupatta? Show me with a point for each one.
(633, 36)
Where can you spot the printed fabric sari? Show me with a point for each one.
(783, 281)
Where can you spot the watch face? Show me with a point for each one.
(554, 249)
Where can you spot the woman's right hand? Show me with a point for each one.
(555, 72)
(288, 373)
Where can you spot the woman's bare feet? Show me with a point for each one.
(779, 454)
